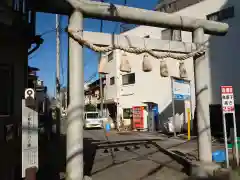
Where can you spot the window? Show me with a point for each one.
(181, 4)
(222, 15)
(112, 81)
(167, 34)
(127, 113)
(5, 90)
(110, 56)
(128, 79)
(170, 7)
(92, 115)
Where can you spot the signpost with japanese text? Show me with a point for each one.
(29, 138)
(229, 107)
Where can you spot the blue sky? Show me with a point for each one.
(45, 57)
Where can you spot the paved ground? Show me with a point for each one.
(148, 162)
(120, 156)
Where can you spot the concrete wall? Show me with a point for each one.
(111, 67)
(148, 87)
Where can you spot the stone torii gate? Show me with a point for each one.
(106, 11)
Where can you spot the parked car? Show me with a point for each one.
(93, 120)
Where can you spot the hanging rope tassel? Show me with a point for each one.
(146, 65)
(182, 70)
(163, 69)
(125, 66)
(102, 64)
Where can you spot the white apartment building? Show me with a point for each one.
(220, 68)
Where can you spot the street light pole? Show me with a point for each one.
(76, 103)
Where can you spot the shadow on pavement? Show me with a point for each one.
(52, 157)
(175, 158)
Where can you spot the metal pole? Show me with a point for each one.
(75, 163)
(191, 110)
(173, 109)
(202, 103)
(235, 138)
(58, 110)
(225, 139)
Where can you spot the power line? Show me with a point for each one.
(91, 77)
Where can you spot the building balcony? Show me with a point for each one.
(89, 99)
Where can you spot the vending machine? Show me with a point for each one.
(139, 118)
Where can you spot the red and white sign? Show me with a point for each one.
(227, 99)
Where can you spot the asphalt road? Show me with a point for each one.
(130, 162)
(118, 156)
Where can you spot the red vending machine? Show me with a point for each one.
(139, 118)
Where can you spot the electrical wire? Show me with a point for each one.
(45, 33)
(51, 31)
(91, 77)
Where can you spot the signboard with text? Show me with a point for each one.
(181, 89)
(228, 107)
(227, 99)
(29, 138)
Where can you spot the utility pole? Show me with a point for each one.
(76, 102)
(100, 77)
(202, 101)
(58, 126)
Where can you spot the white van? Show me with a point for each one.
(93, 120)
